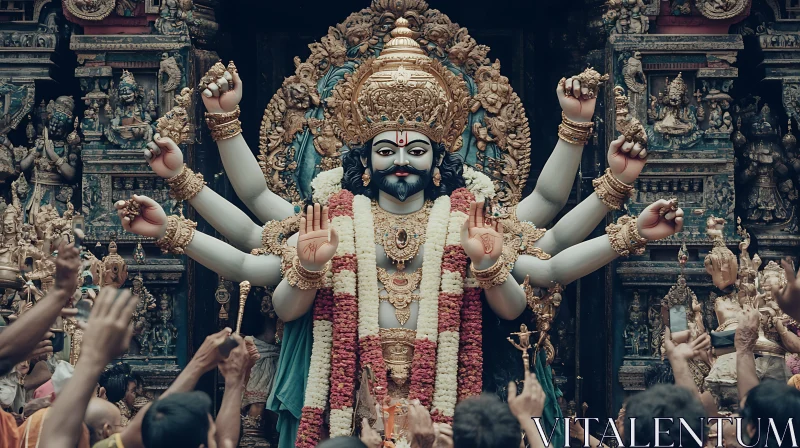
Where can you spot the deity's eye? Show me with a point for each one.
(417, 151)
(385, 152)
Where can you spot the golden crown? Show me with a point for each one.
(401, 89)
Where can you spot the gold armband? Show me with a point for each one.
(625, 238)
(180, 232)
(302, 278)
(492, 276)
(574, 132)
(186, 185)
(612, 191)
(224, 125)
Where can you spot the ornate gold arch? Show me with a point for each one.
(297, 141)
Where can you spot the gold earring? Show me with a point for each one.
(437, 177)
(365, 178)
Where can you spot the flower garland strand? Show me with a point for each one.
(345, 317)
(423, 365)
(454, 267)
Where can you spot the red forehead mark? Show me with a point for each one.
(401, 138)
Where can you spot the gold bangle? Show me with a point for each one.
(186, 185)
(577, 124)
(226, 130)
(492, 276)
(180, 232)
(216, 119)
(302, 278)
(574, 132)
(624, 237)
(611, 190)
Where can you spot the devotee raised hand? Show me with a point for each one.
(224, 93)
(164, 157)
(317, 240)
(481, 236)
(789, 297)
(420, 426)
(528, 405)
(444, 435)
(151, 222)
(369, 436)
(660, 220)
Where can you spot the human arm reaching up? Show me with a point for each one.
(223, 96)
(527, 406)
(236, 371)
(107, 336)
(26, 334)
(745, 342)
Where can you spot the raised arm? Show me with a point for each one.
(317, 243)
(745, 342)
(555, 182)
(482, 240)
(221, 98)
(166, 160)
(585, 258)
(227, 261)
(625, 161)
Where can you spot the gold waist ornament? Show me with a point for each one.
(398, 353)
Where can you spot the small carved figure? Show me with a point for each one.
(130, 125)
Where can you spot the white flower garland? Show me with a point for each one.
(319, 371)
(368, 296)
(445, 392)
(326, 184)
(435, 238)
(341, 422)
(478, 184)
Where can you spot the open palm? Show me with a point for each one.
(317, 240)
(481, 237)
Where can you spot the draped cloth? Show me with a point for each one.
(552, 411)
(262, 376)
(288, 389)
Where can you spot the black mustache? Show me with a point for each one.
(408, 169)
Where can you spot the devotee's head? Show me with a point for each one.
(770, 400)
(102, 418)
(485, 422)
(342, 442)
(401, 163)
(181, 420)
(119, 384)
(665, 401)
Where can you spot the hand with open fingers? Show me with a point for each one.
(626, 159)
(530, 403)
(317, 240)
(444, 435)
(151, 222)
(789, 297)
(747, 331)
(221, 90)
(164, 157)
(695, 348)
(577, 105)
(369, 436)
(68, 266)
(575, 429)
(208, 355)
(420, 426)
(236, 367)
(482, 236)
(656, 225)
(109, 329)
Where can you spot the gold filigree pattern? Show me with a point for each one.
(297, 107)
(175, 123)
(94, 10)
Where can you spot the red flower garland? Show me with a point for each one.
(423, 372)
(470, 353)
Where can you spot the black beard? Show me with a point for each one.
(402, 189)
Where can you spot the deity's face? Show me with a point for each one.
(401, 162)
(771, 284)
(58, 124)
(127, 93)
(9, 227)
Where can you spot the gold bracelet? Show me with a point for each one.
(492, 276)
(226, 130)
(186, 185)
(302, 278)
(574, 132)
(180, 232)
(275, 233)
(624, 237)
(611, 190)
(216, 119)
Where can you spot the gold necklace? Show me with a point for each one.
(400, 235)
(400, 286)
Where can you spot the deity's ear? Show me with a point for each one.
(441, 158)
(364, 161)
